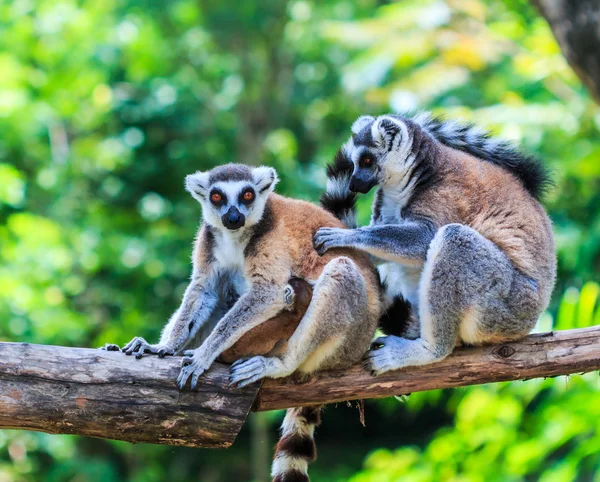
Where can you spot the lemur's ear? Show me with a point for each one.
(197, 185)
(387, 132)
(362, 122)
(265, 178)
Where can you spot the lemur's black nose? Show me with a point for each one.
(233, 219)
(363, 186)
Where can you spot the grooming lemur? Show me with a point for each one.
(251, 242)
(458, 227)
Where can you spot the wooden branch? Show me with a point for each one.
(110, 395)
(541, 355)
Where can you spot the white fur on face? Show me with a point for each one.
(197, 185)
(393, 150)
(263, 183)
(396, 163)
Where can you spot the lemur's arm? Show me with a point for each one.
(401, 243)
(261, 303)
(198, 303)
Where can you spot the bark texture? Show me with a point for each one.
(576, 26)
(107, 394)
(542, 355)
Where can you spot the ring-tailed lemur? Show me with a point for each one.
(251, 242)
(457, 224)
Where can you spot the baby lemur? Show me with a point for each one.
(251, 242)
(271, 337)
(457, 226)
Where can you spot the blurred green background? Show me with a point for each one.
(106, 105)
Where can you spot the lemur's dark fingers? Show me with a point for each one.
(110, 347)
(139, 353)
(246, 382)
(195, 377)
(163, 352)
(182, 379)
(186, 360)
(247, 372)
(128, 345)
(321, 251)
(133, 345)
(247, 366)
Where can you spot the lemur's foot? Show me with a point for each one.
(110, 347)
(383, 355)
(138, 346)
(389, 353)
(249, 370)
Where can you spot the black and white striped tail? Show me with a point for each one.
(469, 138)
(296, 448)
(337, 198)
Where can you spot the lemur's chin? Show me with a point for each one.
(234, 227)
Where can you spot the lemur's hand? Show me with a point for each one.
(138, 346)
(193, 364)
(328, 238)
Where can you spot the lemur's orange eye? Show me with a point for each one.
(216, 197)
(248, 196)
(367, 161)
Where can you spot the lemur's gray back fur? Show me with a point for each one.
(471, 139)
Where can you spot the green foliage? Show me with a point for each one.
(105, 106)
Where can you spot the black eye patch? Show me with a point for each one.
(247, 196)
(367, 161)
(218, 198)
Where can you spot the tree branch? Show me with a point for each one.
(536, 356)
(106, 394)
(110, 395)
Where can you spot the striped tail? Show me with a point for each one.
(296, 448)
(468, 138)
(338, 199)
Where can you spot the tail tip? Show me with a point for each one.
(292, 476)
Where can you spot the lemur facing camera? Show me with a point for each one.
(251, 242)
(459, 229)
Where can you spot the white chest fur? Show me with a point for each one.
(229, 252)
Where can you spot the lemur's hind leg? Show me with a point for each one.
(469, 291)
(330, 334)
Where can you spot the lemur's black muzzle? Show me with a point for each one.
(233, 219)
(362, 182)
